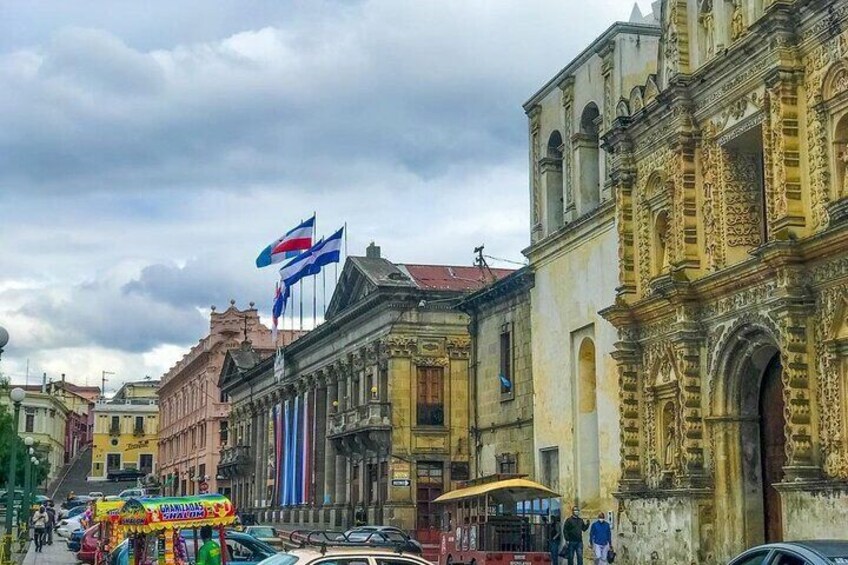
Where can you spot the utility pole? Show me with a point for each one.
(480, 262)
(103, 383)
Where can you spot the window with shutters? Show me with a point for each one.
(431, 407)
(507, 463)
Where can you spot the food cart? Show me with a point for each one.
(106, 515)
(153, 526)
(500, 518)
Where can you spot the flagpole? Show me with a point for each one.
(300, 283)
(314, 302)
(324, 284)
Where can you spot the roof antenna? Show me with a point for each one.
(481, 263)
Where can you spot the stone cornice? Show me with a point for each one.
(572, 235)
(594, 48)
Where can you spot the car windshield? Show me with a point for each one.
(262, 532)
(280, 559)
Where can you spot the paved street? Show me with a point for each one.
(56, 554)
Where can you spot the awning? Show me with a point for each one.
(508, 491)
(154, 514)
(104, 510)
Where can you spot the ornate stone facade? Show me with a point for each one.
(384, 386)
(733, 269)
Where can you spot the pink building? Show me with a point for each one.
(192, 411)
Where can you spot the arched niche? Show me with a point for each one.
(552, 188)
(661, 252)
(835, 97)
(588, 452)
(587, 147)
(636, 99)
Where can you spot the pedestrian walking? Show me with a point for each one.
(51, 522)
(554, 539)
(39, 524)
(210, 552)
(600, 537)
(572, 533)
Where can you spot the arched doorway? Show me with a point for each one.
(772, 446)
(748, 429)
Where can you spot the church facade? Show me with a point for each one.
(728, 167)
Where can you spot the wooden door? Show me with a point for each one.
(772, 447)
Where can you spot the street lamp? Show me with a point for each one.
(17, 396)
(4, 339)
(28, 441)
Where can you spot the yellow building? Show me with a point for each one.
(126, 430)
(731, 189)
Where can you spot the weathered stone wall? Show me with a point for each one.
(659, 530)
(504, 421)
(815, 513)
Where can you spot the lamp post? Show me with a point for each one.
(17, 396)
(4, 339)
(26, 503)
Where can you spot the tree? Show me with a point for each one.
(9, 439)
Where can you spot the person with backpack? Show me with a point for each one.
(600, 538)
(51, 522)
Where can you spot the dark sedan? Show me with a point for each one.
(124, 475)
(814, 552)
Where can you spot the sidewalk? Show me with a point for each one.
(56, 554)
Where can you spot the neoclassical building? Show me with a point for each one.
(729, 174)
(368, 413)
(573, 256)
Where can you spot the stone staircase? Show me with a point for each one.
(74, 479)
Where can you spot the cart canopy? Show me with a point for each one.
(154, 514)
(509, 491)
(105, 510)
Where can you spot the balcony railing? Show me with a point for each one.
(138, 432)
(366, 416)
(114, 430)
(234, 460)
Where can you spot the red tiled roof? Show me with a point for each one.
(445, 277)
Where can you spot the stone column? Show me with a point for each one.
(330, 448)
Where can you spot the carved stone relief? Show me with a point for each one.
(832, 315)
(742, 203)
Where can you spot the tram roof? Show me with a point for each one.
(509, 490)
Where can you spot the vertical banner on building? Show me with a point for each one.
(296, 443)
(286, 459)
(271, 461)
(307, 444)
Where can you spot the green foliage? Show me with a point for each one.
(9, 440)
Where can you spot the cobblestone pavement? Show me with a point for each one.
(56, 554)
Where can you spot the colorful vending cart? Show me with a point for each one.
(152, 526)
(106, 514)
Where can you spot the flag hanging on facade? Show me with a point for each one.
(288, 246)
(279, 308)
(310, 262)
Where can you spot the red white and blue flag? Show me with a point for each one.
(288, 246)
(279, 308)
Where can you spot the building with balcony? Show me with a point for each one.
(126, 431)
(365, 416)
(195, 411)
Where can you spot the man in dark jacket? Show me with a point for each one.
(572, 533)
(51, 522)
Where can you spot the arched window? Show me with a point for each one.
(588, 160)
(551, 168)
(588, 452)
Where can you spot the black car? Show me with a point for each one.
(124, 475)
(814, 552)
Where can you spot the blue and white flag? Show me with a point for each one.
(310, 262)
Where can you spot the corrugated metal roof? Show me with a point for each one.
(446, 277)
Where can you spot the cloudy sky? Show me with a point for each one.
(149, 150)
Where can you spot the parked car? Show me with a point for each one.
(96, 494)
(241, 548)
(80, 500)
(388, 536)
(64, 514)
(117, 475)
(75, 540)
(814, 552)
(133, 493)
(68, 526)
(88, 545)
(267, 534)
(364, 555)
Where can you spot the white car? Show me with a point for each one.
(68, 526)
(323, 549)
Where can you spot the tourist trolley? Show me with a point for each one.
(501, 519)
(107, 516)
(153, 526)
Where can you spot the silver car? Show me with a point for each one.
(814, 552)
